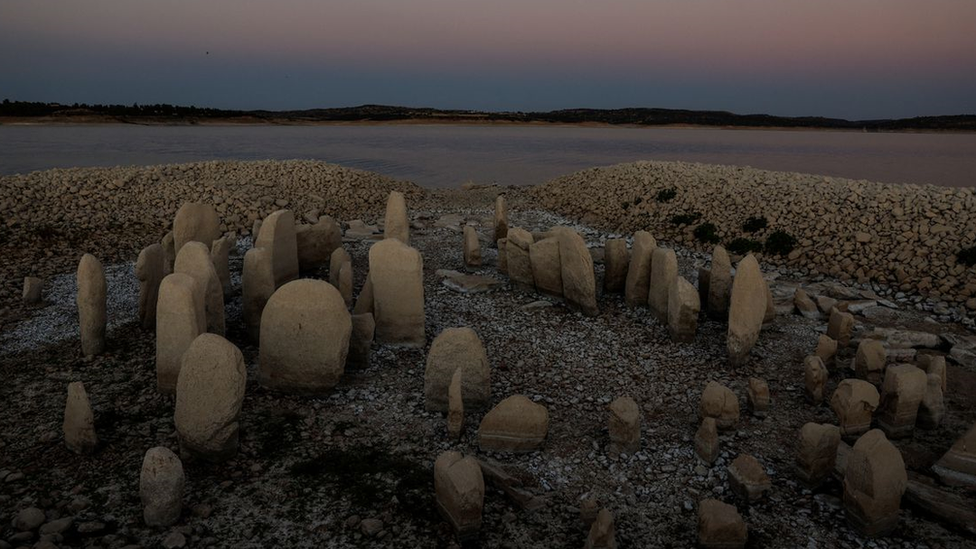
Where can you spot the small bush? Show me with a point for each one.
(780, 243)
(685, 218)
(706, 232)
(754, 224)
(638, 200)
(666, 195)
(625, 204)
(742, 246)
(967, 257)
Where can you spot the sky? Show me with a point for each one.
(857, 59)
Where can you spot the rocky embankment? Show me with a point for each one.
(906, 237)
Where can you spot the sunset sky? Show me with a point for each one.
(844, 58)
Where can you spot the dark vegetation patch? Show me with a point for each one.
(780, 243)
(967, 256)
(666, 195)
(743, 246)
(754, 224)
(685, 218)
(707, 233)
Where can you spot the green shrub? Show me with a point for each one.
(706, 232)
(685, 218)
(666, 195)
(967, 257)
(754, 224)
(780, 243)
(742, 246)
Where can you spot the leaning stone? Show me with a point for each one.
(195, 222)
(747, 307)
(706, 441)
(150, 270)
(870, 360)
(502, 244)
(748, 479)
(161, 487)
(625, 425)
(546, 270)
(317, 242)
(683, 309)
(874, 482)
(169, 252)
(194, 259)
(815, 453)
(455, 406)
(719, 402)
(602, 533)
(209, 395)
(854, 401)
(519, 264)
(32, 290)
(827, 350)
(815, 376)
(305, 332)
(840, 326)
(576, 266)
(79, 422)
(804, 305)
(515, 424)
(932, 409)
(501, 218)
(719, 285)
(664, 271)
(257, 287)
(180, 318)
(616, 262)
(958, 466)
(396, 224)
(901, 394)
(91, 305)
(459, 486)
(220, 255)
(758, 397)
(639, 271)
(472, 247)
(457, 349)
(396, 273)
(361, 340)
(720, 526)
(278, 237)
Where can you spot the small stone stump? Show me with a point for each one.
(602, 532)
(161, 487)
(515, 424)
(79, 422)
(873, 485)
(854, 401)
(32, 290)
(317, 242)
(706, 441)
(758, 397)
(901, 394)
(747, 308)
(815, 453)
(396, 224)
(719, 402)
(748, 479)
(720, 526)
(870, 360)
(472, 247)
(815, 378)
(826, 350)
(840, 326)
(361, 341)
(625, 425)
(459, 486)
(616, 261)
(932, 409)
(500, 219)
(719, 285)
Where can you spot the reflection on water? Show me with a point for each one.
(444, 156)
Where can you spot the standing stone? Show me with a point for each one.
(161, 487)
(854, 401)
(519, 264)
(873, 484)
(770, 313)
(706, 441)
(901, 394)
(180, 318)
(602, 533)
(278, 236)
(758, 397)
(664, 271)
(195, 222)
(869, 362)
(363, 329)
(305, 332)
(502, 244)
(364, 303)
(317, 242)
(460, 489)
(32, 290)
(345, 283)
(576, 266)
(396, 224)
(720, 526)
(194, 259)
(338, 258)
(396, 272)
(150, 269)
(932, 409)
(515, 424)
(826, 350)
(91, 305)
(958, 466)
(457, 349)
(639, 272)
(625, 425)
(79, 422)
(169, 253)
(719, 402)
(815, 453)
(747, 307)
(840, 326)
(616, 261)
(256, 231)
(209, 395)
(815, 376)
(220, 256)
(455, 406)
(683, 309)
(258, 285)
(546, 269)
(719, 284)
(748, 479)
(472, 247)
(501, 218)
(806, 306)
(935, 365)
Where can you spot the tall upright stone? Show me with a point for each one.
(815, 377)
(747, 307)
(195, 222)
(194, 259)
(220, 256)
(278, 236)
(396, 272)
(854, 401)
(502, 244)
(757, 396)
(683, 309)
(874, 482)
(457, 349)
(816, 451)
(305, 331)
(180, 318)
(161, 485)
(396, 224)
(317, 242)
(455, 405)
(706, 441)
(546, 269)
(840, 326)
(150, 271)
(719, 285)
(579, 279)
(901, 394)
(958, 466)
(518, 263)
(169, 252)
(639, 271)
(664, 270)
(92, 296)
(459, 486)
(79, 422)
(719, 402)
(870, 360)
(33, 287)
(209, 395)
(616, 261)
(257, 286)
(501, 218)
(472, 247)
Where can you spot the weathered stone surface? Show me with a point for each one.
(317, 242)
(602, 532)
(452, 349)
(747, 307)
(194, 259)
(804, 305)
(546, 269)
(758, 397)
(515, 424)
(460, 489)
(278, 236)
(361, 340)
(357, 229)
(664, 270)
(932, 409)
(502, 244)
(935, 365)
(364, 303)
(870, 360)
(501, 219)
(815, 453)
(748, 479)
(220, 256)
(616, 262)
(169, 252)
(519, 265)
(32, 290)
(639, 271)
(150, 270)
(901, 393)
(625, 425)
(180, 318)
(874, 482)
(827, 350)
(161, 487)
(472, 247)
(258, 285)
(339, 257)
(455, 405)
(706, 441)
(958, 466)
(79, 422)
(305, 331)
(719, 285)
(720, 526)
(396, 224)
(683, 309)
(195, 222)
(467, 283)
(209, 395)
(854, 401)
(576, 266)
(770, 314)
(91, 299)
(345, 283)
(719, 402)
(396, 274)
(895, 338)
(840, 326)
(815, 377)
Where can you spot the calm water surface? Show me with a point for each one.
(446, 156)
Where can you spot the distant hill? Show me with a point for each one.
(174, 114)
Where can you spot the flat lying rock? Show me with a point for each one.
(468, 284)
(515, 424)
(958, 466)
